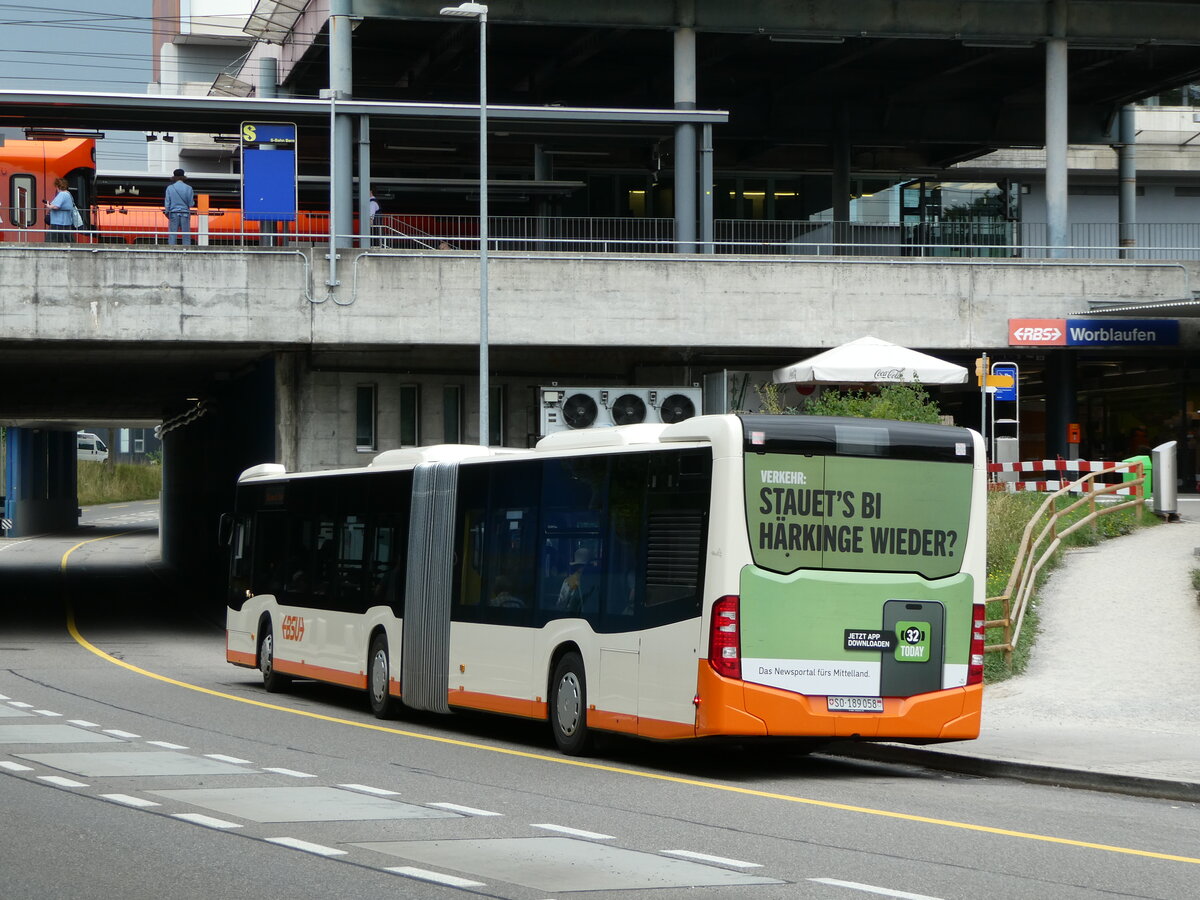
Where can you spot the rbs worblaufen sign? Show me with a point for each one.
(1093, 332)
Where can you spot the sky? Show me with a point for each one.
(80, 45)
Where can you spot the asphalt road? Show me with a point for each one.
(135, 762)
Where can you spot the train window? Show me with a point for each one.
(23, 192)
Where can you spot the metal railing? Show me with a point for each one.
(981, 239)
(1034, 552)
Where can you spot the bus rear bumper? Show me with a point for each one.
(731, 707)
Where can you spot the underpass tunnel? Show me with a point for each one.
(223, 424)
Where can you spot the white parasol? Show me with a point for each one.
(870, 360)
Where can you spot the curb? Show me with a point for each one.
(1058, 776)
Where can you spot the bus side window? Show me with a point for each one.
(574, 505)
(623, 583)
(267, 566)
(677, 503)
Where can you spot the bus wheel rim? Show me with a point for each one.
(266, 657)
(379, 676)
(569, 703)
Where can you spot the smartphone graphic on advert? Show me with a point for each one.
(915, 665)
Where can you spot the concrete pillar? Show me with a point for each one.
(1127, 171)
(1057, 221)
(40, 481)
(341, 85)
(268, 78)
(685, 140)
(364, 181)
(202, 458)
(1061, 405)
(706, 188)
(542, 171)
(841, 178)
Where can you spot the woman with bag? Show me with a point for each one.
(63, 215)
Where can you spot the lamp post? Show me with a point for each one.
(480, 10)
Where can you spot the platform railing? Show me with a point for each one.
(982, 239)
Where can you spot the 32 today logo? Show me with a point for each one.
(913, 642)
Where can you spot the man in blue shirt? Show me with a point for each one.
(177, 207)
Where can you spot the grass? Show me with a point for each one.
(101, 483)
(1008, 514)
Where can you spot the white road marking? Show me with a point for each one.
(61, 782)
(15, 767)
(130, 801)
(466, 810)
(8, 546)
(117, 732)
(83, 723)
(435, 877)
(289, 772)
(575, 831)
(167, 745)
(206, 821)
(19, 705)
(720, 860)
(296, 844)
(2, 697)
(46, 712)
(872, 889)
(367, 789)
(220, 757)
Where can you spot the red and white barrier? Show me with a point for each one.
(1063, 465)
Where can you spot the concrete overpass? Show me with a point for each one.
(247, 356)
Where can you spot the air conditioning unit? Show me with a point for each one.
(572, 408)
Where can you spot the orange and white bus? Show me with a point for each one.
(734, 576)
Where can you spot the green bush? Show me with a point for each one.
(905, 402)
(100, 482)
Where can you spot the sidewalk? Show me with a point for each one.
(1111, 697)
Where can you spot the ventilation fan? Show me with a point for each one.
(628, 409)
(676, 408)
(579, 411)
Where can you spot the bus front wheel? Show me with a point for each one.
(273, 681)
(378, 679)
(568, 706)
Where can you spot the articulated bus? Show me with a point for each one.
(726, 576)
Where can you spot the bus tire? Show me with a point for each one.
(568, 706)
(383, 704)
(273, 681)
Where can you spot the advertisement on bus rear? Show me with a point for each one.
(857, 589)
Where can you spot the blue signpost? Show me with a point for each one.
(268, 172)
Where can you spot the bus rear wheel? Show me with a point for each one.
(383, 704)
(568, 706)
(273, 681)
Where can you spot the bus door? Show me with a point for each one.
(667, 604)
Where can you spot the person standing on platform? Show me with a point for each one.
(62, 214)
(177, 207)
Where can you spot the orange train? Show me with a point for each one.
(28, 169)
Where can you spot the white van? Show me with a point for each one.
(90, 447)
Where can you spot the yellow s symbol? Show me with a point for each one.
(249, 133)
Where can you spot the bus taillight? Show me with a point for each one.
(975, 668)
(724, 639)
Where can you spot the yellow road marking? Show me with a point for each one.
(600, 767)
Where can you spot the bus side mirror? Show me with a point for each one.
(225, 529)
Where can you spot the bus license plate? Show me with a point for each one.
(855, 704)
